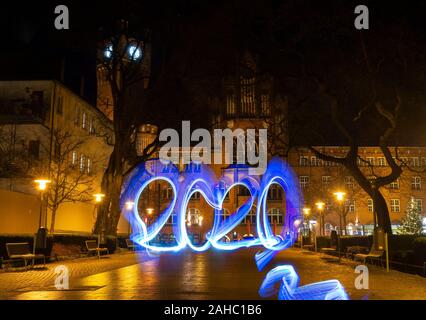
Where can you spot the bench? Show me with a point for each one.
(92, 247)
(373, 254)
(21, 251)
(130, 244)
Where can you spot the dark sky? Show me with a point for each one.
(295, 41)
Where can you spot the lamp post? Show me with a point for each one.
(42, 186)
(320, 206)
(98, 199)
(129, 207)
(340, 197)
(306, 212)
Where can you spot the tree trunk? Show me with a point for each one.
(109, 210)
(381, 208)
(52, 221)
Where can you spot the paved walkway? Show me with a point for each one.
(208, 275)
(15, 282)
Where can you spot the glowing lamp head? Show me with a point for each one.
(340, 196)
(200, 220)
(98, 197)
(320, 205)
(306, 211)
(129, 205)
(42, 184)
(149, 211)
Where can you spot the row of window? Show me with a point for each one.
(248, 105)
(81, 117)
(275, 216)
(416, 182)
(84, 163)
(313, 161)
(395, 205)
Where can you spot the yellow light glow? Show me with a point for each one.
(306, 210)
(340, 196)
(129, 205)
(98, 197)
(200, 220)
(42, 184)
(149, 210)
(320, 205)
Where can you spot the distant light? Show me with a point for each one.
(320, 205)
(42, 184)
(135, 53)
(340, 195)
(108, 51)
(98, 197)
(129, 205)
(200, 220)
(149, 210)
(306, 211)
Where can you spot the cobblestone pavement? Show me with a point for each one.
(208, 275)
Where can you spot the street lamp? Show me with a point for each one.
(129, 205)
(306, 212)
(340, 197)
(42, 186)
(320, 206)
(98, 199)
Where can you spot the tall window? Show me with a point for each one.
(381, 161)
(414, 162)
(89, 165)
(349, 182)
(370, 205)
(394, 185)
(304, 161)
(248, 105)
(395, 206)
(251, 217)
(193, 216)
(84, 120)
(304, 181)
(416, 183)
(82, 163)
(326, 180)
(265, 105)
(74, 158)
(195, 196)
(419, 204)
(168, 193)
(172, 219)
(274, 192)
(350, 205)
(315, 162)
(91, 125)
(370, 161)
(275, 216)
(230, 105)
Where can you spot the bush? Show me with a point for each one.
(419, 250)
(323, 242)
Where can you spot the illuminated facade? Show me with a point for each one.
(31, 111)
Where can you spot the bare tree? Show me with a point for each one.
(71, 181)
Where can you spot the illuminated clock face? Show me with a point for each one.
(135, 53)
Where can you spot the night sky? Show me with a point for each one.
(295, 41)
